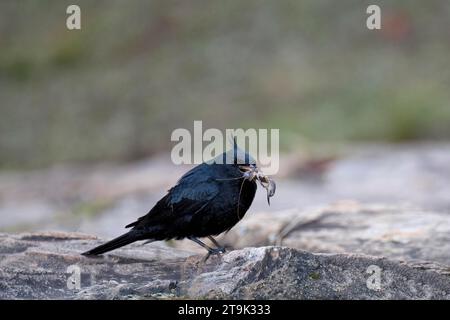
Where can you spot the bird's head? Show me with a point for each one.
(248, 166)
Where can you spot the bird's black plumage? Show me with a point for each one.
(206, 201)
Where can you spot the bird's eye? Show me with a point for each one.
(248, 168)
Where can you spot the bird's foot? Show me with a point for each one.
(214, 252)
(218, 250)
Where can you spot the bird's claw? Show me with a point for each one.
(214, 252)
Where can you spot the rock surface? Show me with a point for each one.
(46, 266)
(306, 248)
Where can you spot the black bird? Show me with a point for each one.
(208, 200)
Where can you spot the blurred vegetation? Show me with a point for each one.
(139, 69)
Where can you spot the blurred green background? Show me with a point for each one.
(116, 89)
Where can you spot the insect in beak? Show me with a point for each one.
(251, 173)
(269, 185)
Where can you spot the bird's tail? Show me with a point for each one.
(118, 242)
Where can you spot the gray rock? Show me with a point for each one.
(399, 233)
(46, 265)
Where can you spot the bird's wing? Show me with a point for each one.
(191, 198)
(191, 195)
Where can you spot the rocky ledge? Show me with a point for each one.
(49, 266)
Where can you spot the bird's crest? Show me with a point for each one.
(239, 155)
(234, 155)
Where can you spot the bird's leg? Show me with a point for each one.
(216, 244)
(211, 251)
